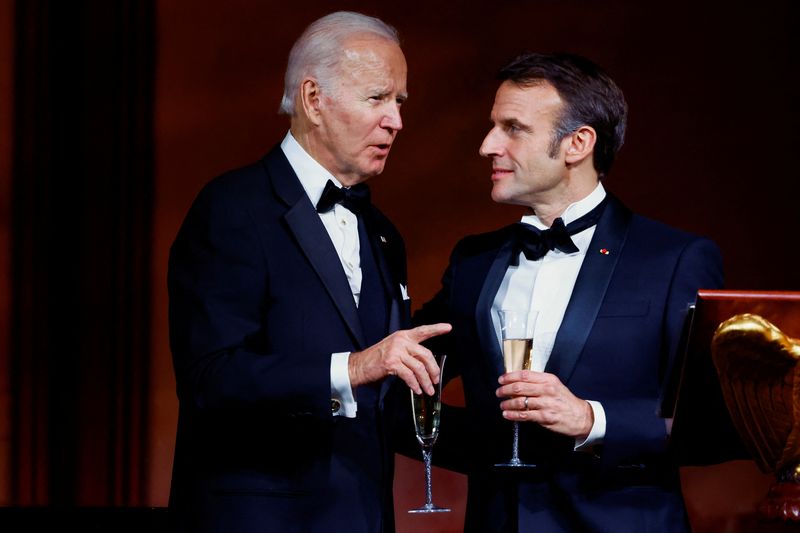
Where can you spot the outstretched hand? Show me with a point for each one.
(541, 397)
(400, 354)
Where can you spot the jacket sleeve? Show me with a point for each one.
(218, 292)
(634, 431)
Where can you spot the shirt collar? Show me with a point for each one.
(574, 210)
(311, 174)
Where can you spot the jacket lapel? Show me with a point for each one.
(398, 315)
(391, 285)
(303, 221)
(483, 311)
(590, 289)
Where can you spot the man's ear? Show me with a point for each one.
(311, 99)
(580, 144)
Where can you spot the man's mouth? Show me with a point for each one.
(499, 173)
(383, 149)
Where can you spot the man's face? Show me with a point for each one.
(523, 171)
(360, 112)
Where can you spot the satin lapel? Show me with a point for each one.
(590, 289)
(483, 312)
(314, 241)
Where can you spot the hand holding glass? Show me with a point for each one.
(517, 332)
(427, 413)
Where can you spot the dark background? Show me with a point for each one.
(114, 114)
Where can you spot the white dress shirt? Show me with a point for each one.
(545, 285)
(342, 227)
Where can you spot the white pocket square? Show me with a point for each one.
(404, 292)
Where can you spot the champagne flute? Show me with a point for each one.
(427, 412)
(516, 327)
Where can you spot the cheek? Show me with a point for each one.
(529, 159)
(343, 118)
(513, 152)
(343, 122)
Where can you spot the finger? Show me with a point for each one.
(532, 404)
(514, 404)
(521, 416)
(532, 413)
(409, 378)
(512, 390)
(420, 371)
(517, 403)
(520, 375)
(425, 356)
(422, 333)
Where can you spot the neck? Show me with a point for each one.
(552, 204)
(304, 135)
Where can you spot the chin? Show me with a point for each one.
(498, 196)
(374, 170)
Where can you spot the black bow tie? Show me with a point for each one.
(355, 198)
(535, 243)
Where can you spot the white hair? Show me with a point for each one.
(318, 51)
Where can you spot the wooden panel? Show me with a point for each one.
(702, 431)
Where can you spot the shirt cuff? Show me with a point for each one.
(598, 432)
(342, 401)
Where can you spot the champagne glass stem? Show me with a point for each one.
(426, 456)
(515, 454)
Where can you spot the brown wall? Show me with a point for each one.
(6, 66)
(710, 145)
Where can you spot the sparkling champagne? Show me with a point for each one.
(517, 354)
(427, 411)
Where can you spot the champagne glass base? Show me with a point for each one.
(429, 508)
(517, 464)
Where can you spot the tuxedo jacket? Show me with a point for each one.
(615, 345)
(258, 303)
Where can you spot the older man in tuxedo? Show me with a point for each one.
(285, 286)
(611, 289)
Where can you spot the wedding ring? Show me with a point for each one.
(526, 402)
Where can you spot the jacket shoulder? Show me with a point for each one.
(238, 183)
(480, 243)
(241, 188)
(663, 234)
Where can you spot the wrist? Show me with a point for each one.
(354, 370)
(588, 419)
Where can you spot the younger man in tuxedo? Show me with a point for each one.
(611, 289)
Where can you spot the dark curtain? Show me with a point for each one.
(82, 197)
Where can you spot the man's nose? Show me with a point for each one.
(490, 145)
(392, 120)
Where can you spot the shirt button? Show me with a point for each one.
(343, 222)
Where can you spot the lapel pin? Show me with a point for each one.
(604, 251)
(383, 239)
